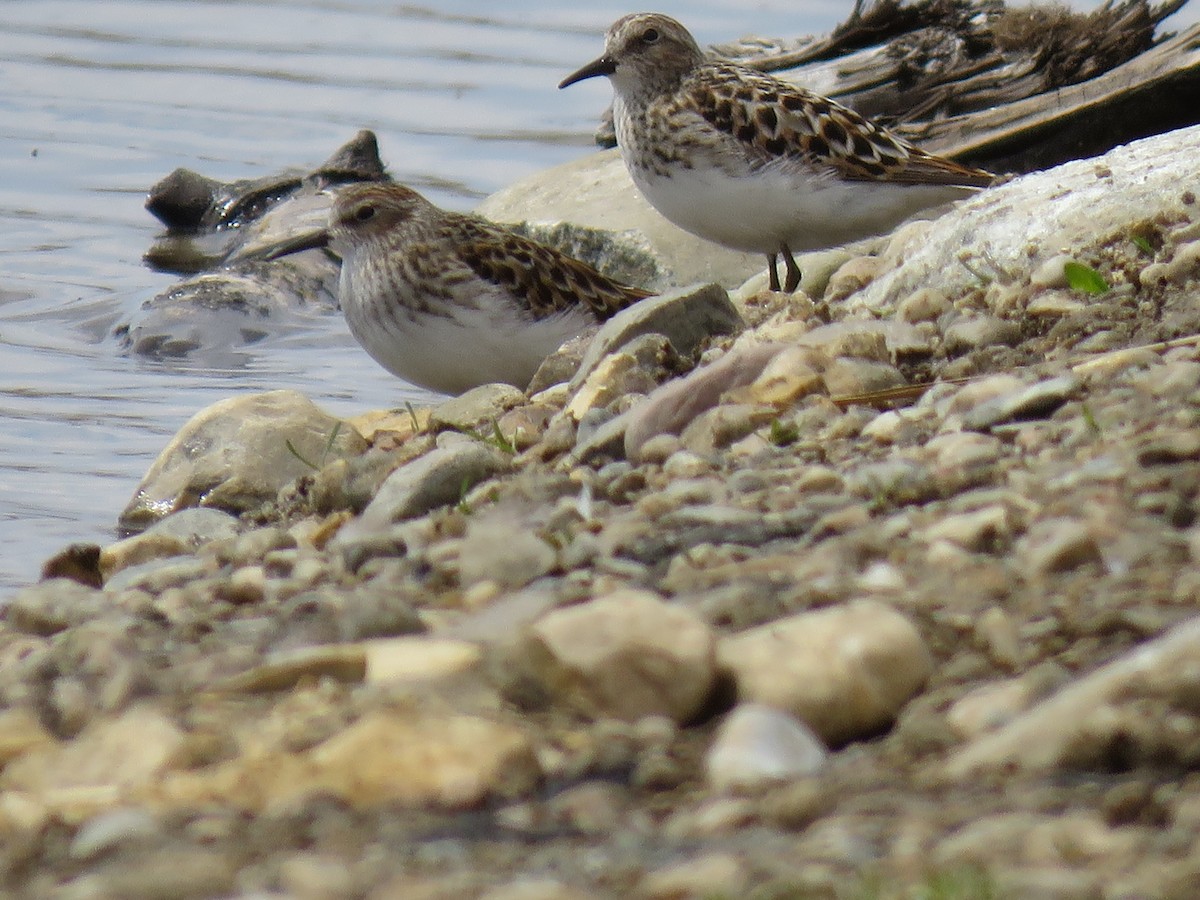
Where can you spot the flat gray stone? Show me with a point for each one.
(439, 478)
(686, 317)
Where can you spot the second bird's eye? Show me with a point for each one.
(364, 213)
(650, 36)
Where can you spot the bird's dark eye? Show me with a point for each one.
(364, 213)
(650, 36)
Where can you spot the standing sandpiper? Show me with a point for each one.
(754, 162)
(450, 301)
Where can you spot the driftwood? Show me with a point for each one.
(1011, 89)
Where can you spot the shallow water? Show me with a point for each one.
(99, 101)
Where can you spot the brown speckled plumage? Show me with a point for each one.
(449, 301)
(754, 162)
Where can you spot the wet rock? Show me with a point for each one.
(845, 671)
(686, 317)
(758, 745)
(626, 655)
(235, 455)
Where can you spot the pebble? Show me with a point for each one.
(758, 746)
(969, 333)
(670, 407)
(439, 478)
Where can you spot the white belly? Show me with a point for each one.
(462, 349)
(768, 208)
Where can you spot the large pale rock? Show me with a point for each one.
(624, 656)
(388, 756)
(846, 671)
(1076, 726)
(1029, 222)
(596, 192)
(235, 455)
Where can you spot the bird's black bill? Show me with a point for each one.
(602, 66)
(307, 241)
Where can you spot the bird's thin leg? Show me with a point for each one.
(793, 270)
(771, 258)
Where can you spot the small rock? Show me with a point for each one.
(711, 875)
(53, 606)
(979, 530)
(976, 332)
(1082, 724)
(848, 377)
(626, 655)
(111, 830)
(923, 305)
(758, 745)
(719, 427)
(846, 671)
(502, 551)
(418, 659)
(1052, 273)
(439, 478)
(479, 406)
(852, 277)
(686, 317)
(180, 533)
(671, 406)
(1058, 545)
(1033, 402)
(793, 373)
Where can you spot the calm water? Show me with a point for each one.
(99, 101)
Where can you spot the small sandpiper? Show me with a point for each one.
(753, 162)
(449, 301)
